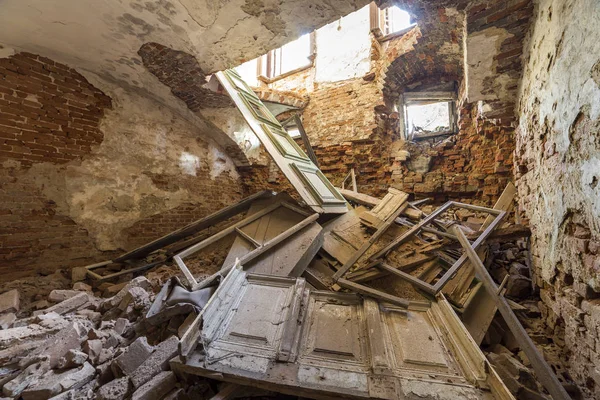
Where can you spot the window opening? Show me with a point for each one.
(395, 20)
(290, 57)
(293, 131)
(429, 114)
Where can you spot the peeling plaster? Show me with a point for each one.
(230, 121)
(558, 94)
(481, 47)
(103, 37)
(110, 189)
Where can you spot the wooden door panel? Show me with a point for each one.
(314, 188)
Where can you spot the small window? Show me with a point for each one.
(429, 114)
(389, 23)
(290, 57)
(394, 20)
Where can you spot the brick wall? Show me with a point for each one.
(69, 178)
(557, 169)
(48, 111)
(475, 164)
(351, 123)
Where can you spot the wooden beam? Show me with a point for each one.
(504, 203)
(367, 291)
(380, 231)
(194, 227)
(542, 370)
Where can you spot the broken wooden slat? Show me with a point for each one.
(386, 207)
(194, 227)
(367, 291)
(380, 231)
(504, 203)
(368, 274)
(189, 340)
(396, 242)
(543, 371)
(101, 278)
(229, 392)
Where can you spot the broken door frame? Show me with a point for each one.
(237, 228)
(377, 258)
(439, 285)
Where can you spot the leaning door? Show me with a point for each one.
(314, 188)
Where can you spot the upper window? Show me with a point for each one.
(290, 57)
(390, 22)
(394, 20)
(293, 131)
(429, 114)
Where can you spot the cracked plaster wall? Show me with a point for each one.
(104, 36)
(557, 164)
(150, 159)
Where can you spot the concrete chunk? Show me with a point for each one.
(57, 346)
(73, 358)
(58, 295)
(156, 388)
(12, 336)
(68, 305)
(27, 377)
(117, 389)
(82, 287)
(6, 320)
(78, 274)
(9, 301)
(114, 301)
(157, 362)
(136, 354)
(93, 348)
(54, 383)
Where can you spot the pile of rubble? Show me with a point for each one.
(84, 346)
(110, 332)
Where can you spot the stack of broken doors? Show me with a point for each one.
(274, 322)
(323, 300)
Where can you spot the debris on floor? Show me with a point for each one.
(281, 320)
(338, 295)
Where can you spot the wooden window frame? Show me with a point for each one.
(414, 98)
(378, 27)
(265, 63)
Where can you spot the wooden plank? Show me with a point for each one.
(289, 340)
(194, 227)
(504, 203)
(367, 291)
(401, 206)
(478, 315)
(230, 229)
(229, 392)
(408, 234)
(542, 370)
(368, 274)
(412, 279)
(309, 150)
